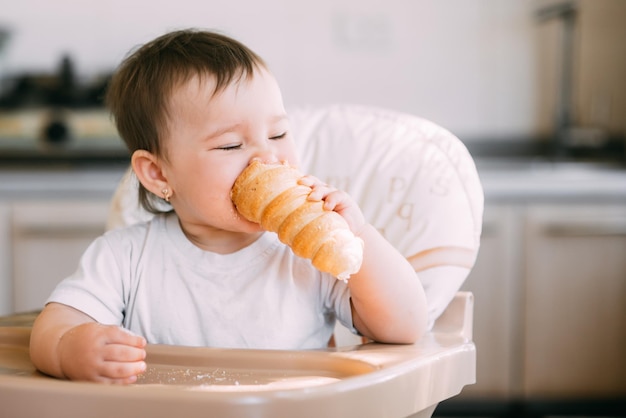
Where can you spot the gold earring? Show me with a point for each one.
(166, 195)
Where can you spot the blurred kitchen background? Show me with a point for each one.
(536, 89)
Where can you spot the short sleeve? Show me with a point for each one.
(96, 288)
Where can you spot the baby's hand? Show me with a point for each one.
(102, 353)
(335, 200)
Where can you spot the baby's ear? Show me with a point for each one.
(147, 168)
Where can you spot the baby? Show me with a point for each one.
(194, 108)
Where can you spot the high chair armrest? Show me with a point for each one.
(458, 317)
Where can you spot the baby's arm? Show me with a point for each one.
(388, 301)
(67, 343)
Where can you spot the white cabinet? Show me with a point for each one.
(575, 313)
(47, 240)
(493, 282)
(550, 311)
(47, 219)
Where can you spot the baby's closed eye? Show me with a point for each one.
(229, 147)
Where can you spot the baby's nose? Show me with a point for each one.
(266, 156)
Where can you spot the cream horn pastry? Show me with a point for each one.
(269, 194)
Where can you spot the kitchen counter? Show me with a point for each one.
(502, 180)
(60, 182)
(539, 180)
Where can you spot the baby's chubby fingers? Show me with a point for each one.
(104, 353)
(319, 190)
(336, 200)
(123, 355)
(119, 335)
(332, 197)
(123, 346)
(310, 181)
(123, 372)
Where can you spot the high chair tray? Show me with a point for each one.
(370, 380)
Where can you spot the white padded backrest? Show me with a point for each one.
(414, 181)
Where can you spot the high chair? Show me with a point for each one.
(418, 185)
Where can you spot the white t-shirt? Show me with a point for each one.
(152, 280)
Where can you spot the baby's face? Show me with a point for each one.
(212, 138)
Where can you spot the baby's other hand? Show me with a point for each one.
(102, 353)
(335, 200)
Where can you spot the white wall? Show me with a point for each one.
(469, 65)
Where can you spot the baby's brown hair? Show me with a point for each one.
(139, 92)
